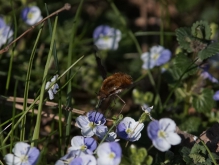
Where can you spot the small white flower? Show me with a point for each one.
(23, 154)
(6, 33)
(31, 15)
(106, 37)
(91, 123)
(162, 133)
(156, 57)
(129, 129)
(109, 153)
(53, 90)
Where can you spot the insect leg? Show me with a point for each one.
(124, 103)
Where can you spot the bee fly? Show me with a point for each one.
(112, 85)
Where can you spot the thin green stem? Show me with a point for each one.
(179, 81)
(209, 152)
(37, 126)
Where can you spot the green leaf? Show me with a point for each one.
(209, 51)
(197, 158)
(186, 151)
(197, 148)
(191, 124)
(184, 38)
(201, 29)
(204, 102)
(180, 64)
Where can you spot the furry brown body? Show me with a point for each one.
(114, 84)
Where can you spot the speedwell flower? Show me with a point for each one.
(84, 160)
(23, 154)
(156, 57)
(111, 137)
(162, 133)
(106, 37)
(129, 129)
(206, 75)
(31, 15)
(66, 159)
(53, 90)
(90, 123)
(109, 153)
(5, 32)
(86, 145)
(216, 96)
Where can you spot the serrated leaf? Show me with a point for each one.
(209, 51)
(204, 102)
(186, 151)
(191, 124)
(197, 148)
(197, 158)
(181, 63)
(184, 38)
(201, 29)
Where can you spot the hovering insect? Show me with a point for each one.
(112, 85)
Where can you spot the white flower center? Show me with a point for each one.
(92, 125)
(24, 158)
(155, 56)
(162, 134)
(129, 131)
(30, 15)
(112, 155)
(83, 147)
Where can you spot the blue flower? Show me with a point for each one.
(216, 96)
(90, 123)
(6, 32)
(106, 37)
(31, 15)
(66, 159)
(156, 57)
(162, 133)
(84, 160)
(129, 129)
(109, 153)
(206, 75)
(86, 145)
(53, 90)
(111, 137)
(23, 154)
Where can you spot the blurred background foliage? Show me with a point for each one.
(147, 19)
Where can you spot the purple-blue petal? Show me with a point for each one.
(152, 129)
(101, 30)
(121, 131)
(164, 57)
(24, 13)
(96, 117)
(2, 23)
(33, 155)
(115, 147)
(90, 143)
(76, 161)
(216, 96)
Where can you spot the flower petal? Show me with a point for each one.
(152, 129)
(82, 121)
(33, 155)
(173, 138)
(77, 142)
(10, 159)
(90, 143)
(21, 149)
(161, 144)
(167, 125)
